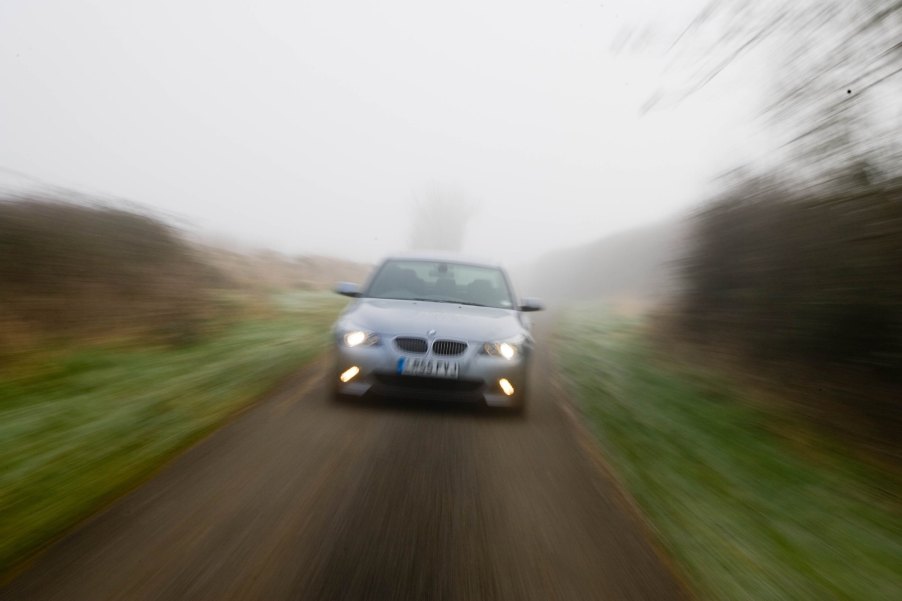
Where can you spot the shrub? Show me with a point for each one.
(76, 268)
(811, 280)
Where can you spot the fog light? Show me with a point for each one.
(349, 373)
(506, 386)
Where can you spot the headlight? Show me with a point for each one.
(354, 338)
(507, 350)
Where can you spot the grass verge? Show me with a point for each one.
(81, 429)
(747, 510)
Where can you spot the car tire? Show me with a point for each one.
(337, 396)
(520, 409)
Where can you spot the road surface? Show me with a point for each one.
(300, 498)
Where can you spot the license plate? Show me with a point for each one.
(435, 368)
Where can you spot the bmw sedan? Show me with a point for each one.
(435, 328)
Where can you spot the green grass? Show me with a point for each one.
(80, 429)
(747, 510)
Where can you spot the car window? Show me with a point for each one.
(441, 281)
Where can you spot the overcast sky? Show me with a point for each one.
(309, 127)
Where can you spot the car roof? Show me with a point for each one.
(445, 257)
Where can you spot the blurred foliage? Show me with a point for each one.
(752, 503)
(120, 343)
(805, 283)
(82, 423)
(834, 73)
(73, 268)
(796, 272)
(264, 272)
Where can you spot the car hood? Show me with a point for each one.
(417, 318)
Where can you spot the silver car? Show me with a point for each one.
(433, 327)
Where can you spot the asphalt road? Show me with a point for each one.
(300, 498)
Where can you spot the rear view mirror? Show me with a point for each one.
(531, 304)
(348, 289)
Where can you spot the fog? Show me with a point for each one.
(706, 195)
(314, 127)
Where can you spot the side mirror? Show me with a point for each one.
(348, 289)
(531, 304)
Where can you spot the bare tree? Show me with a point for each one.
(440, 217)
(835, 65)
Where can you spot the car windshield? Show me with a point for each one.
(441, 282)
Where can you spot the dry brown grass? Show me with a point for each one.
(265, 270)
(87, 270)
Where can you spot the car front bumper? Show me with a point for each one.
(478, 377)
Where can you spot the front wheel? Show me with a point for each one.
(519, 409)
(336, 395)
